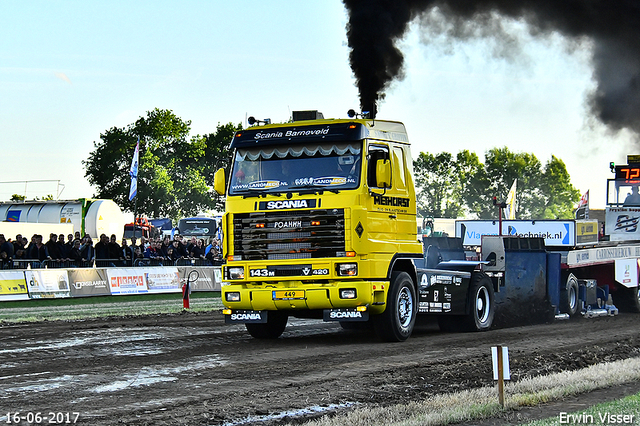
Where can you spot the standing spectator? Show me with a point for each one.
(192, 244)
(128, 252)
(115, 251)
(86, 249)
(197, 251)
(62, 247)
(19, 251)
(52, 247)
(29, 247)
(6, 252)
(38, 250)
(102, 248)
(164, 247)
(74, 254)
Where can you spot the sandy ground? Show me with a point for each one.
(193, 369)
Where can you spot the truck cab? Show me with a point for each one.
(320, 222)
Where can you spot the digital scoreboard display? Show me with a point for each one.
(630, 173)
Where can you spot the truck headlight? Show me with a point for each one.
(232, 296)
(347, 269)
(235, 272)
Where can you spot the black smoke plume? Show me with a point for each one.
(612, 27)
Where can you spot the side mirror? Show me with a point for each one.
(219, 184)
(383, 173)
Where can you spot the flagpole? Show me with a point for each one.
(133, 191)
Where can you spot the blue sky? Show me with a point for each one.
(69, 70)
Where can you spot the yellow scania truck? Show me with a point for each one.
(320, 222)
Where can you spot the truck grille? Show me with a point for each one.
(280, 235)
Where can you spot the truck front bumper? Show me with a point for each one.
(296, 296)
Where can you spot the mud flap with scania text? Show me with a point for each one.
(245, 316)
(344, 314)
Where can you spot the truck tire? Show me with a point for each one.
(481, 304)
(272, 329)
(628, 299)
(569, 296)
(396, 323)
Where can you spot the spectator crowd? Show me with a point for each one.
(77, 251)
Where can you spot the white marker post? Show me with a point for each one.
(501, 370)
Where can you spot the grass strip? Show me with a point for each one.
(103, 306)
(622, 411)
(482, 403)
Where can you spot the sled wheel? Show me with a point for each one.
(569, 296)
(481, 304)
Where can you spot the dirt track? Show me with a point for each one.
(193, 369)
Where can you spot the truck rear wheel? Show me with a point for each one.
(396, 323)
(569, 296)
(481, 304)
(272, 329)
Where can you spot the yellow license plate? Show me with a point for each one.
(288, 294)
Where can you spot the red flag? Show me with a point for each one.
(584, 200)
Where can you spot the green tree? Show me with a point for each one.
(561, 195)
(437, 185)
(448, 188)
(18, 197)
(174, 174)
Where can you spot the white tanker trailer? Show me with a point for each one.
(88, 216)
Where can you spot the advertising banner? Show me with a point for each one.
(13, 286)
(163, 280)
(88, 282)
(556, 233)
(627, 272)
(127, 281)
(622, 223)
(47, 283)
(209, 279)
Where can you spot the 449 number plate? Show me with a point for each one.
(288, 294)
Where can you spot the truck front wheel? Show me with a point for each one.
(396, 323)
(272, 329)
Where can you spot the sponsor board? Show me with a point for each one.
(627, 272)
(621, 223)
(556, 233)
(13, 286)
(127, 281)
(47, 283)
(209, 279)
(162, 280)
(88, 282)
(602, 255)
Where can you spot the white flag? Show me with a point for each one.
(511, 201)
(133, 172)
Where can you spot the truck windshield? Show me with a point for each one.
(292, 168)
